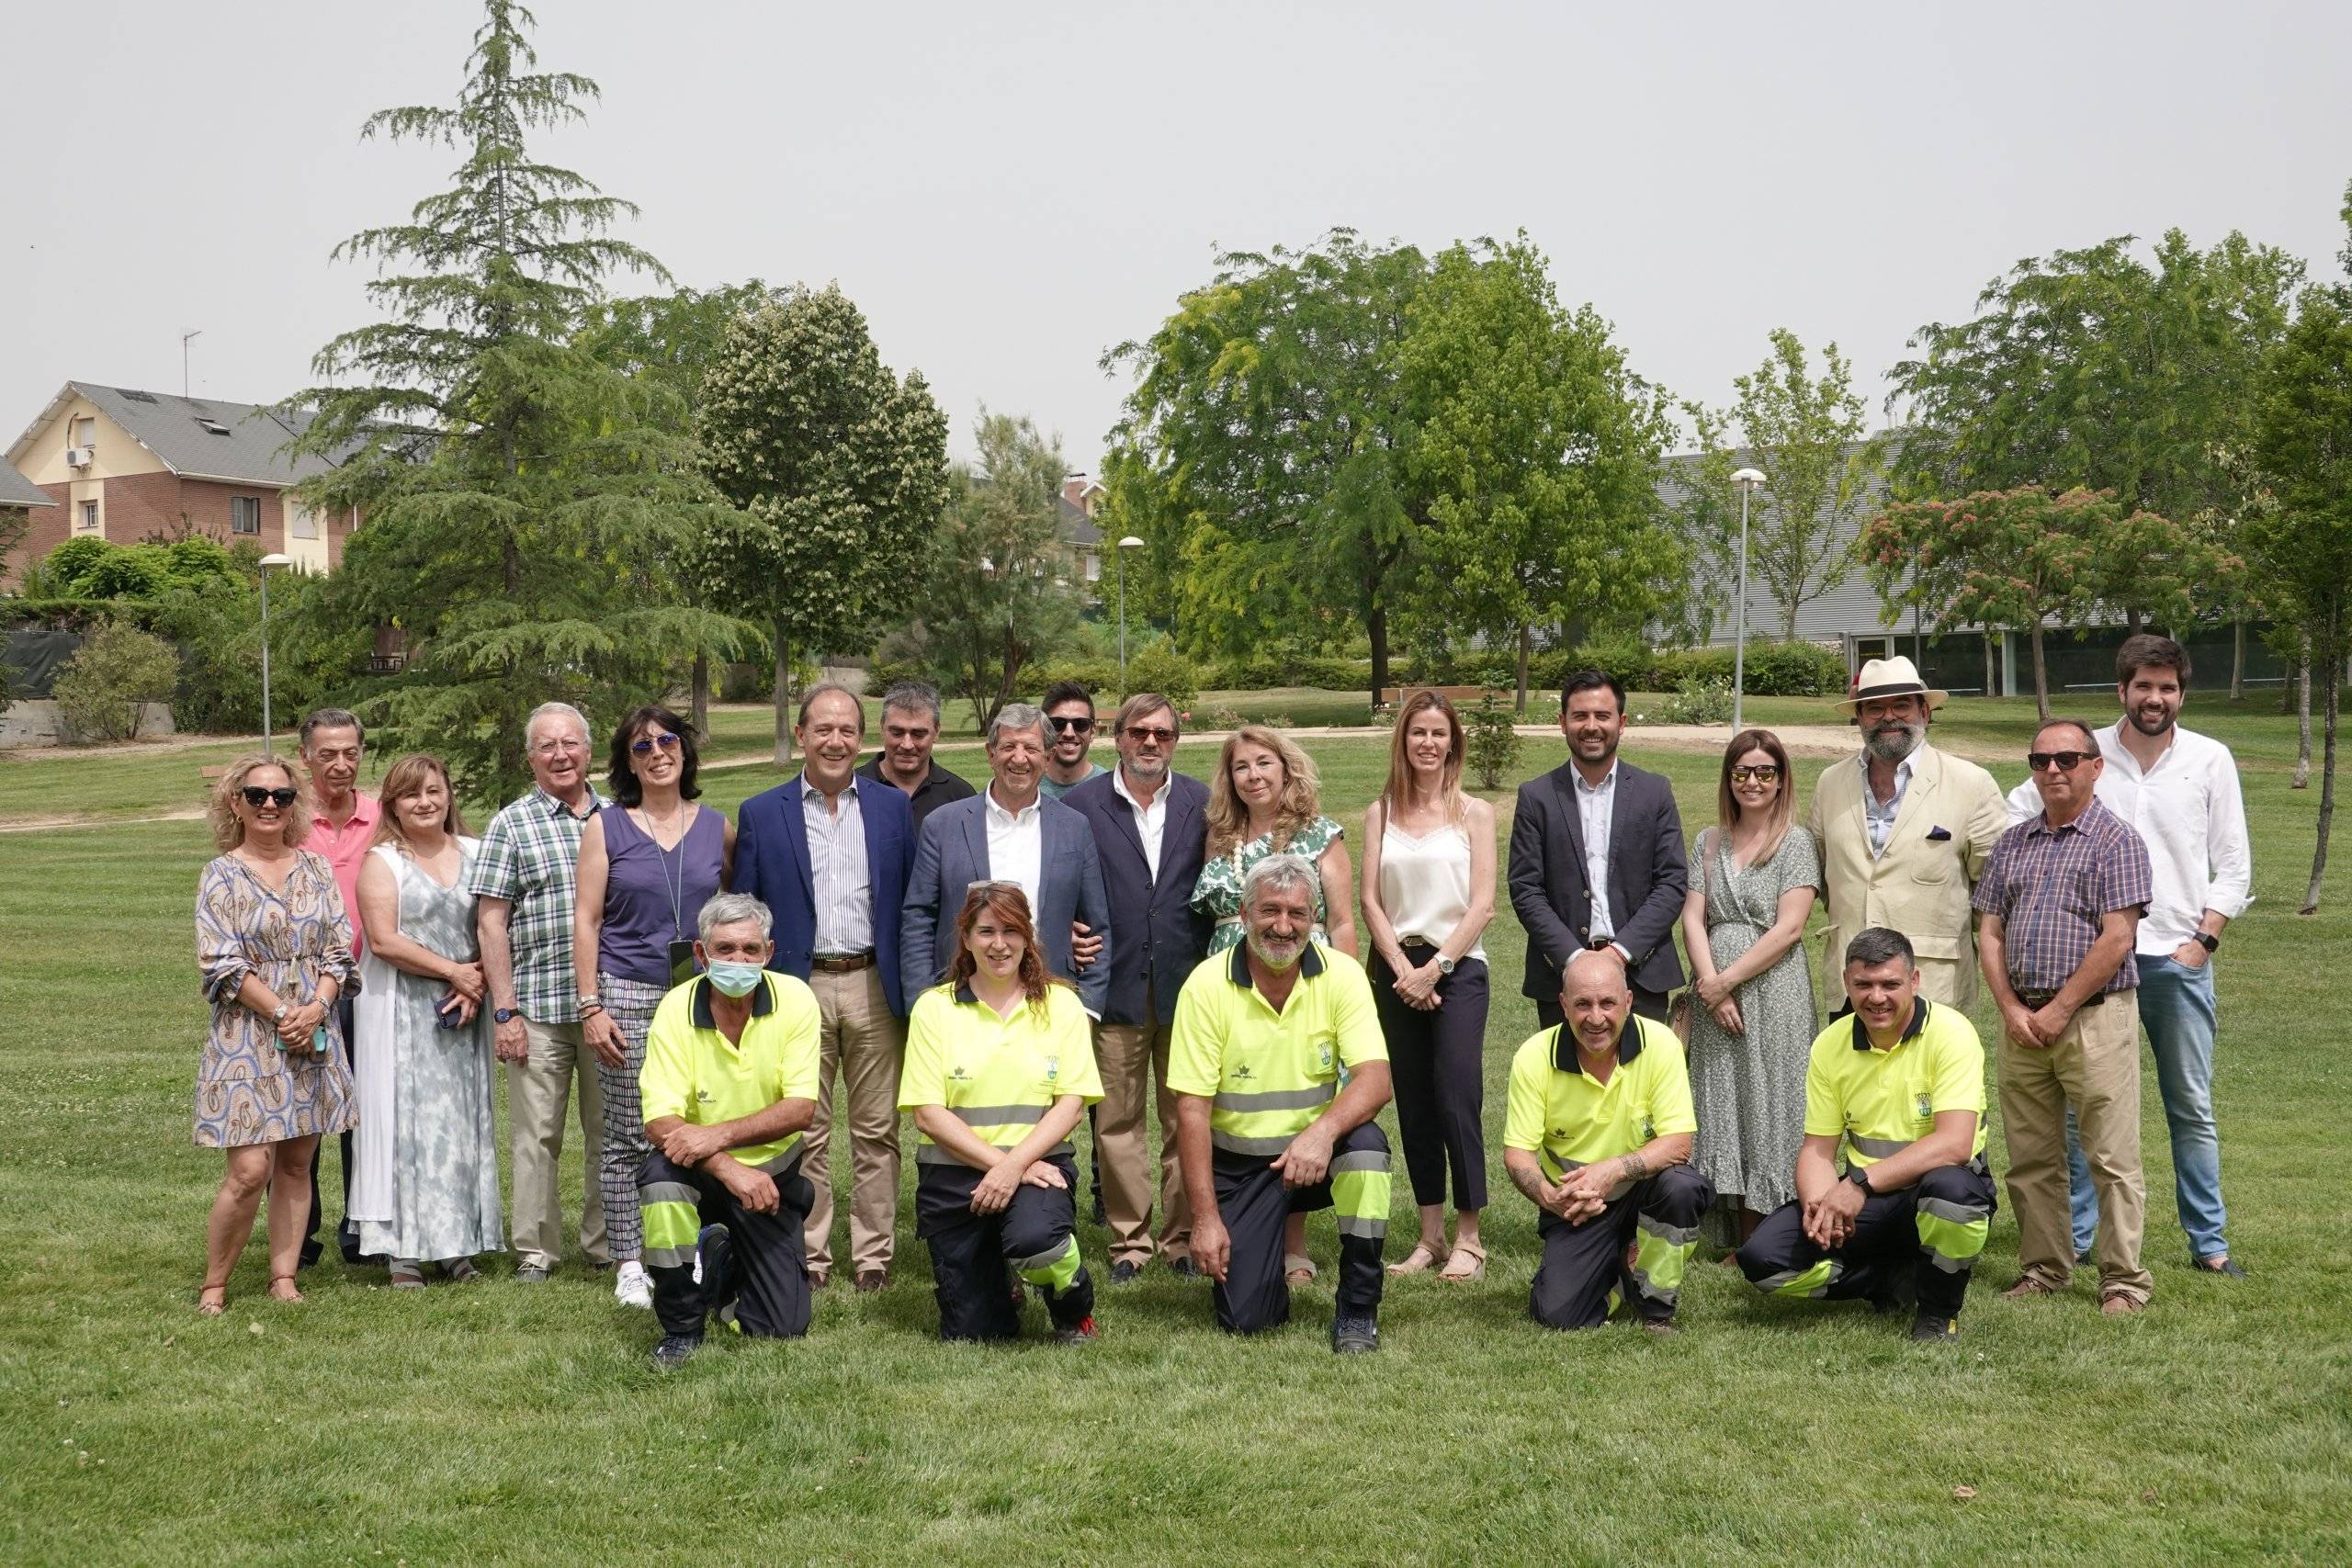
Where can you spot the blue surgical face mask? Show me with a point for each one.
(735, 979)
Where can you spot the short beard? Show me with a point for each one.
(1258, 946)
(1893, 748)
(2131, 716)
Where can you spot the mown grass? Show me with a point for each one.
(497, 1423)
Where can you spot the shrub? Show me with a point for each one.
(1161, 668)
(104, 690)
(1699, 700)
(1492, 745)
(1794, 670)
(66, 568)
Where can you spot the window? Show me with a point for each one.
(213, 426)
(85, 433)
(89, 516)
(1094, 569)
(244, 514)
(302, 523)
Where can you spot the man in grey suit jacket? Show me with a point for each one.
(1596, 858)
(1007, 833)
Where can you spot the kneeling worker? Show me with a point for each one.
(1598, 1136)
(1264, 1128)
(729, 1083)
(1000, 1065)
(1901, 1084)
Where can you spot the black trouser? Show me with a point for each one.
(1584, 1265)
(765, 1291)
(1034, 1235)
(347, 1232)
(1254, 1204)
(1440, 1084)
(1934, 1229)
(1651, 1005)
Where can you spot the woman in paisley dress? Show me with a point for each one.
(1265, 797)
(426, 1190)
(272, 943)
(1754, 876)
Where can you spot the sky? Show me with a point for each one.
(1008, 191)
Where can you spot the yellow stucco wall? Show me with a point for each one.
(309, 555)
(40, 457)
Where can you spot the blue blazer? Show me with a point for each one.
(771, 865)
(1163, 938)
(952, 852)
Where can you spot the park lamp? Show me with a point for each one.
(1129, 543)
(268, 563)
(1747, 479)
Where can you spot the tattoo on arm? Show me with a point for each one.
(1529, 1182)
(1635, 1167)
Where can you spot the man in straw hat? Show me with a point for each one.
(1905, 833)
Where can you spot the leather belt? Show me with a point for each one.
(842, 963)
(2039, 999)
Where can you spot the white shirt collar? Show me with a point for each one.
(1158, 796)
(1004, 813)
(1607, 779)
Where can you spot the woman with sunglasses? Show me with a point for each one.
(1752, 1024)
(1000, 1064)
(426, 1189)
(645, 868)
(273, 943)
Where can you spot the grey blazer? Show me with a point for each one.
(1646, 878)
(952, 852)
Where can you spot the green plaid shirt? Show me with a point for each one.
(529, 857)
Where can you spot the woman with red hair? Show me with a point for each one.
(1000, 1065)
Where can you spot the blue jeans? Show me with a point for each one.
(2177, 1008)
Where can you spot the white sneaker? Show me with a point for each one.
(633, 1288)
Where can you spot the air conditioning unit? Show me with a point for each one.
(77, 457)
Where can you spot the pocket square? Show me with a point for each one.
(1938, 835)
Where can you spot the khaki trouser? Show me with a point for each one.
(1132, 1057)
(2096, 1066)
(863, 1041)
(538, 1092)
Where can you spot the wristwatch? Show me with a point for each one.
(1859, 1174)
(279, 1016)
(1445, 964)
(2209, 942)
(503, 1015)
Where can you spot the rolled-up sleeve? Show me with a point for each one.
(2232, 889)
(221, 955)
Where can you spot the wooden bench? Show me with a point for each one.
(1391, 695)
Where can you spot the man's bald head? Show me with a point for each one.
(1595, 998)
(1594, 967)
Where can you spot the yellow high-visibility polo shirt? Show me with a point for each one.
(1269, 1074)
(1000, 1075)
(1883, 1101)
(694, 1072)
(1561, 1115)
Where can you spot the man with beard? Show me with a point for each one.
(1905, 833)
(1279, 1068)
(1596, 858)
(1070, 715)
(2179, 790)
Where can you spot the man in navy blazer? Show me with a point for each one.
(1598, 823)
(1151, 830)
(1008, 832)
(827, 853)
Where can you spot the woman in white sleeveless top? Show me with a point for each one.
(1429, 890)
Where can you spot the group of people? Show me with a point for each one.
(1077, 942)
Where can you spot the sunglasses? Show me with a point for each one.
(1767, 774)
(1071, 726)
(644, 744)
(258, 797)
(1150, 735)
(2064, 761)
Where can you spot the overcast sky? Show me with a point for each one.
(1007, 190)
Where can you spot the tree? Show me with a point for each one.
(2299, 535)
(1262, 452)
(522, 510)
(104, 689)
(1806, 436)
(1537, 451)
(2022, 557)
(837, 473)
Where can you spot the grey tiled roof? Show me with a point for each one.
(206, 437)
(18, 491)
(1077, 527)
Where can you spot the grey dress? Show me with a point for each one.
(1748, 1089)
(436, 1197)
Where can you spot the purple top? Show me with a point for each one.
(652, 896)
(2051, 887)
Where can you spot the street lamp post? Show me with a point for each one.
(1129, 543)
(268, 564)
(1747, 479)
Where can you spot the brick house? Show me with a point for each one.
(20, 499)
(1082, 540)
(124, 464)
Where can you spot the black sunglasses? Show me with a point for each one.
(1765, 773)
(258, 797)
(1150, 734)
(2064, 761)
(644, 744)
(1071, 726)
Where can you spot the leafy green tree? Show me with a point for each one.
(104, 689)
(837, 476)
(1537, 451)
(1806, 434)
(522, 509)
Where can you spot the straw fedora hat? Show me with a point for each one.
(1895, 677)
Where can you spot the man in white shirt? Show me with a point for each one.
(2179, 790)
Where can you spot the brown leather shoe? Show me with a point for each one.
(871, 1279)
(2117, 1304)
(2027, 1288)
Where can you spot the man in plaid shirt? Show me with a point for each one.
(2059, 906)
(522, 879)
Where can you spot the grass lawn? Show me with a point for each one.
(499, 1424)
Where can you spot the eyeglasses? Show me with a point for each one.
(258, 797)
(1766, 774)
(1071, 726)
(644, 744)
(1152, 735)
(551, 747)
(2064, 761)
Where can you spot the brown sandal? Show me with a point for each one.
(286, 1280)
(1470, 1276)
(1420, 1260)
(215, 1307)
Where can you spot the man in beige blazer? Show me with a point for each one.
(1903, 831)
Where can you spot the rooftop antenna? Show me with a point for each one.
(184, 340)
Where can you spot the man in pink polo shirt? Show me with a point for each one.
(343, 825)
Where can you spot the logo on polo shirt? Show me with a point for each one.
(1243, 1071)
(704, 1097)
(1924, 1108)
(1323, 1055)
(1053, 1068)
(958, 1074)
